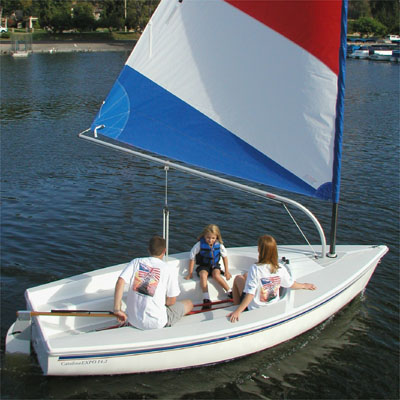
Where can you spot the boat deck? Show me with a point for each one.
(95, 290)
(64, 343)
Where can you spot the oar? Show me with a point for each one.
(82, 311)
(96, 313)
(212, 303)
(208, 309)
(66, 313)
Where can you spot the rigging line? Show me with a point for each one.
(298, 227)
(166, 169)
(216, 178)
(257, 195)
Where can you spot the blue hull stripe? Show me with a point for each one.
(205, 342)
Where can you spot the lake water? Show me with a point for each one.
(69, 206)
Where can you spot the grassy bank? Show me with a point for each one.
(98, 36)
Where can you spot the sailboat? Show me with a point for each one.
(232, 91)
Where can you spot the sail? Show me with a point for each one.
(251, 89)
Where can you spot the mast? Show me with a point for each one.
(338, 130)
(332, 241)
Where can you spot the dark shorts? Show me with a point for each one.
(208, 269)
(241, 299)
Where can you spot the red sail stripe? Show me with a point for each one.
(313, 25)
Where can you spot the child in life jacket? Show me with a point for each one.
(207, 253)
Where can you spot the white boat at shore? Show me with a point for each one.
(381, 55)
(20, 54)
(360, 54)
(393, 38)
(198, 97)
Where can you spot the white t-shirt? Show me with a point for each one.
(196, 250)
(150, 281)
(264, 285)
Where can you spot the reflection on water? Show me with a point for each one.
(69, 207)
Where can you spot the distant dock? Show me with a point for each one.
(72, 47)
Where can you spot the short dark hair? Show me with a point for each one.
(157, 245)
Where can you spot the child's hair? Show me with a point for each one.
(268, 252)
(214, 230)
(157, 245)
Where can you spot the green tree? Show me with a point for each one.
(139, 13)
(387, 13)
(10, 6)
(358, 9)
(112, 15)
(55, 15)
(82, 17)
(369, 26)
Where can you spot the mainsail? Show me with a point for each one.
(251, 89)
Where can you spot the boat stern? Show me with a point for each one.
(18, 338)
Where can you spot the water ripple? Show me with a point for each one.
(70, 207)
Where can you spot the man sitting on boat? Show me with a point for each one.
(153, 288)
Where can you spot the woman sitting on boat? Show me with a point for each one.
(261, 285)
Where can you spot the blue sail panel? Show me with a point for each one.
(151, 118)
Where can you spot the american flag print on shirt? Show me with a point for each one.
(146, 280)
(269, 288)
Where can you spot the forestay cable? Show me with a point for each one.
(298, 227)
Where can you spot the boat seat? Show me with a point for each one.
(92, 301)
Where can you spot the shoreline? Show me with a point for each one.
(71, 47)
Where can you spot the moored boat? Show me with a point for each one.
(351, 48)
(20, 54)
(361, 54)
(393, 38)
(380, 55)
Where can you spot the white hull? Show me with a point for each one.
(381, 55)
(20, 54)
(360, 54)
(70, 346)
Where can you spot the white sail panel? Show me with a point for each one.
(251, 87)
(207, 84)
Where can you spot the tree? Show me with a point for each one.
(82, 17)
(358, 9)
(112, 15)
(387, 13)
(55, 15)
(139, 13)
(369, 26)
